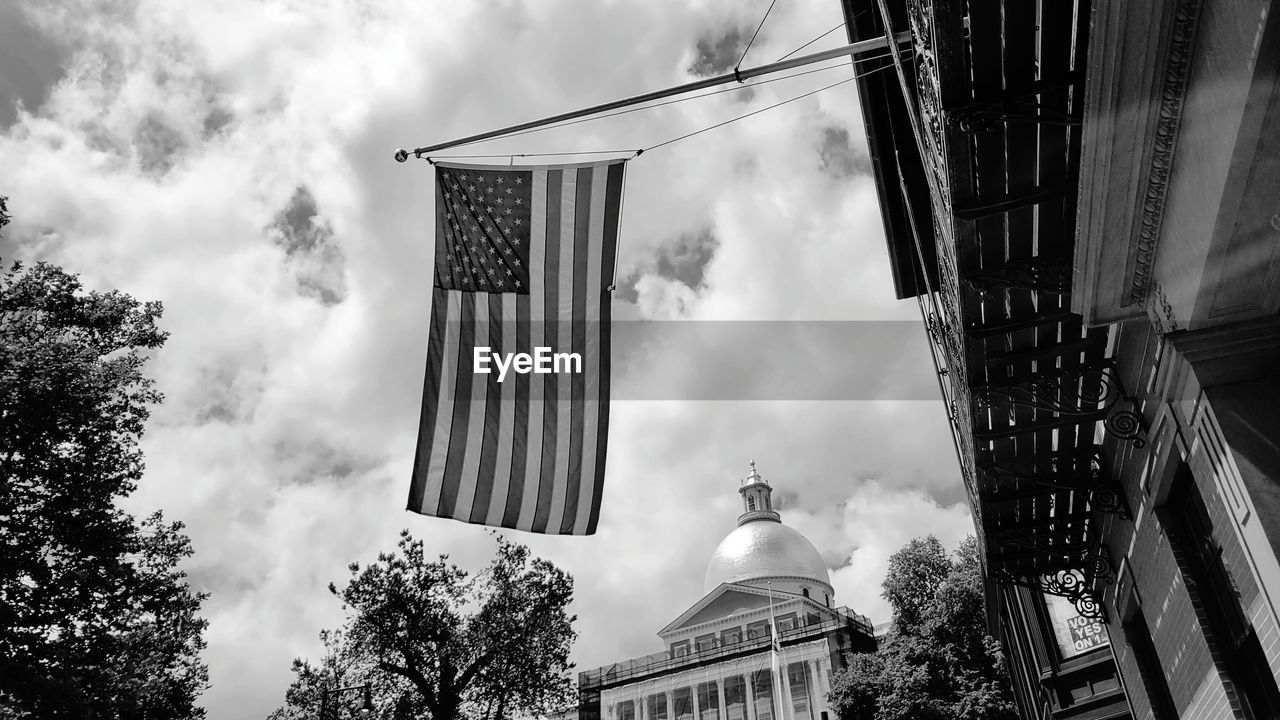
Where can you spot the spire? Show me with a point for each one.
(757, 498)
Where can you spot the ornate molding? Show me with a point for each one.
(1161, 310)
(1186, 18)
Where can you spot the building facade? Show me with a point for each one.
(1084, 198)
(719, 658)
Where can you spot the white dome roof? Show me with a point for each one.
(764, 549)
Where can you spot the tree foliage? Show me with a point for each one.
(96, 619)
(436, 641)
(938, 660)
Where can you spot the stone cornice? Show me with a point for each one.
(1182, 35)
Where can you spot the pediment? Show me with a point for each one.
(725, 601)
(731, 602)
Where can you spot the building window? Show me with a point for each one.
(680, 649)
(706, 642)
(762, 684)
(626, 710)
(798, 681)
(751, 504)
(735, 698)
(787, 622)
(805, 592)
(1190, 528)
(1138, 635)
(731, 637)
(657, 706)
(708, 701)
(682, 702)
(757, 630)
(812, 619)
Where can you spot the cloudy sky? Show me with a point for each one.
(234, 160)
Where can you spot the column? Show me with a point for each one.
(724, 709)
(751, 697)
(697, 706)
(786, 712)
(821, 670)
(819, 694)
(671, 705)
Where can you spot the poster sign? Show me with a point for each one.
(1075, 634)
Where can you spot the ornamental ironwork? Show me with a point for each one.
(990, 116)
(1012, 478)
(1045, 275)
(929, 98)
(1058, 548)
(1074, 583)
(1085, 392)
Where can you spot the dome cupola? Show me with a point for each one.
(757, 499)
(763, 552)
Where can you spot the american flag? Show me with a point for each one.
(524, 259)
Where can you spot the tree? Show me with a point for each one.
(938, 660)
(431, 637)
(96, 619)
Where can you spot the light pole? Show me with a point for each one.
(329, 702)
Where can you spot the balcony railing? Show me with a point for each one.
(663, 662)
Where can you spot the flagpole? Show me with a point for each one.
(775, 654)
(735, 76)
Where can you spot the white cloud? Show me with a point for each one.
(181, 132)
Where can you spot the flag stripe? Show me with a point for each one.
(564, 343)
(501, 473)
(451, 311)
(484, 480)
(578, 289)
(537, 324)
(550, 383)
(520, 431)
(462, 377)
(478, 428)
(612, 215)
(430, 396)
(591, 350)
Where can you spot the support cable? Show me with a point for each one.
(753, 38)
(793, 52)
(763, 109)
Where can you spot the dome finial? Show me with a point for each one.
(753, 476)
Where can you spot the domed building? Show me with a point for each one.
(719, 662)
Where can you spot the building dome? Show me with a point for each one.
(761, 548)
